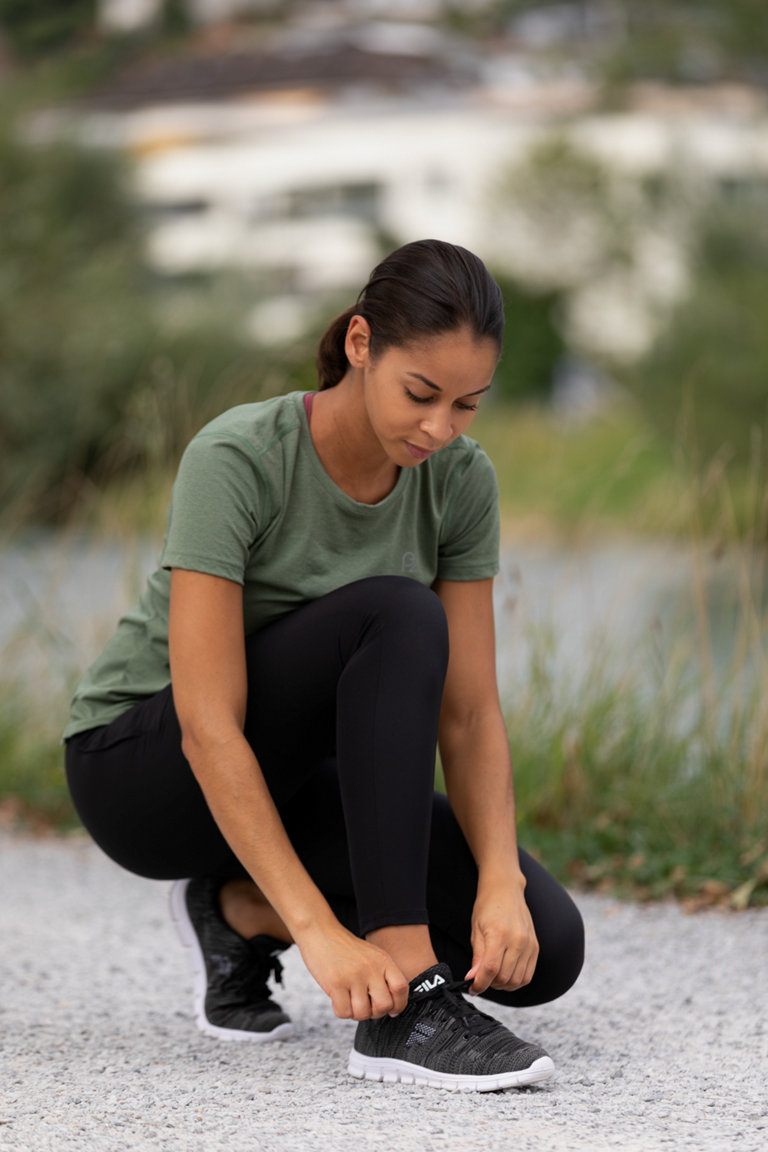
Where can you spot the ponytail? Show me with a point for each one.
(332, 363)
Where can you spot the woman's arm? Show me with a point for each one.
(475, 755)
(208, 673)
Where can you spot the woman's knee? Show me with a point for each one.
(406, 612)
(401, 593)
(565, 950)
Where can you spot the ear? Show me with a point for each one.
(357, 344)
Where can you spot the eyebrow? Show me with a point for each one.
(437, 388)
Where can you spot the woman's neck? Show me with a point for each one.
(345, 442)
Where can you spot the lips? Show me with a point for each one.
(418, 453)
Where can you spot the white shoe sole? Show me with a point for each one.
(188, 937)
(403, 1072)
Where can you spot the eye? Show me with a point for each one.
(429, 399)
(418, 399)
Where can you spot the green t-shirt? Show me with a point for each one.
(253, 503)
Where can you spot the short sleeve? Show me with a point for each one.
(469, 537)
(218, 507)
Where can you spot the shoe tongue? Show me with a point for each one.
(432, 978)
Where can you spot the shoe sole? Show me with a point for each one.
(403, 1072)
(188, 937)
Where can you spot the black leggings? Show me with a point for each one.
(343, 703)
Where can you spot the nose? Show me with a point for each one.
(438, 425)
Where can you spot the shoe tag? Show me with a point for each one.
(430, 983)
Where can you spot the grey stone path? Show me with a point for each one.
(663, 1043)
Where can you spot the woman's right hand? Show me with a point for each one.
(362, 981)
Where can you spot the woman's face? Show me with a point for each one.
(423, 395)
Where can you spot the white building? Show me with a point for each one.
(298, 173)
(303, 198)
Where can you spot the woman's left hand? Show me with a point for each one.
(504, 944)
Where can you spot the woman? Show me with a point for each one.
(262, 727)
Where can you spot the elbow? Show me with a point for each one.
(481, 717)
(204, 737)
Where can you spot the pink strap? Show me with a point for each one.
(308, 401)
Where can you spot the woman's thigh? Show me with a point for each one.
(134, 789)
(136, 795)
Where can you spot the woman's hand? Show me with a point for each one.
(504, 944)
(361, 980)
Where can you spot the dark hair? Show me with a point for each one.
(422, 289)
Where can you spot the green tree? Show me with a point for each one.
(93, 381)
(37, 27)
(709, 369)
(533, 344)
(687, 41)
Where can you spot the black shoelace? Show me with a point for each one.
(475, 1022)
(251, 978)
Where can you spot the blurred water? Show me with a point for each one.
(60, 598)
(634, 609)
(629, 603)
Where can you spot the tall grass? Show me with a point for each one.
(33, 793)
(613, 473)
(651, 792)
(651, 777)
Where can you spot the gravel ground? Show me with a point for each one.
(663, 1043)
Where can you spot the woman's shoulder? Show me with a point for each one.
(258, 424)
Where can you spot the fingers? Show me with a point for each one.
(398, 990)
(381, 995)
(361, 980)
(502, 963)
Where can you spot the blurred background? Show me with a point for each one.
(191, 189)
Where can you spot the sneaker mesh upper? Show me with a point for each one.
(441, 1030)
(237, 970)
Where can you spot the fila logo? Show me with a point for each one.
(430, 983)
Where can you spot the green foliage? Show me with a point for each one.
(532, 343)
(175, 20)
(38, 27)
(32, 785)
(691, 41)
(489, 19)
(616, 789)
(93, 381)
(710, 367)
(609, 472)
(73, 328)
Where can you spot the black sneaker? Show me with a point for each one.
(232, 999)
(443, 1040)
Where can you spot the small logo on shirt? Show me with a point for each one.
(409, 562)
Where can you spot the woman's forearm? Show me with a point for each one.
(242, 806)
(474, 751)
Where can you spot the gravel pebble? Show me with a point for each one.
(663, 1043)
